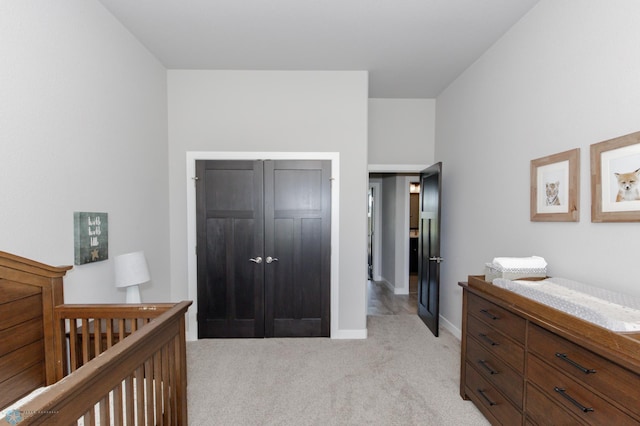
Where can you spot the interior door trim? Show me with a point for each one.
(402, 268)
(376, 185)
(192, 279)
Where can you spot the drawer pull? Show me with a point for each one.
(564, 357)
(566, 396)
(487, 339)
(482, 394)
(488, 314)
(486, 366)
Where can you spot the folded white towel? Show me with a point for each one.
(532, 262)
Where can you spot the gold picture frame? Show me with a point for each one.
(615, 179)
(555, 195)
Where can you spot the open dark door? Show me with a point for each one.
(429, 247)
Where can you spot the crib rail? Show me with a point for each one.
(85, 331)
(139, 381)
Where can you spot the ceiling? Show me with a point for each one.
(411, 48)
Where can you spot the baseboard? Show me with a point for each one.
(349, 334)
(448, 325)
(390, 286)
(401, 291)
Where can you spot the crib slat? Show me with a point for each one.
(157, 376)
(139, 393)
(117, 406)
(103, 409)
(73, 345)
(172, 382)
(109, 330)
(129, 407)
(97, 337)
(181, 375)
(89, 418)
(148, 380)
(166, 381)
(122, 328)
(85, 340)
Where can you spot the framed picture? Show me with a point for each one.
(615, 179)
(91, 237)
(554, 187)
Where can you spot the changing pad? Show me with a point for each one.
(613, 311)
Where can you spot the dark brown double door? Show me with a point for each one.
(263, 248)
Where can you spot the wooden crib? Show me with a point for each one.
(97, 364)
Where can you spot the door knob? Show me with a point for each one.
(270, 259)
(437, 259)
(256, 260)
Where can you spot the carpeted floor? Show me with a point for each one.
(400, 375)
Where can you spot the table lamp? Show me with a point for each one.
(131, 270)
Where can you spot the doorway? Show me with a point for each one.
(414, 234)
(390, 222)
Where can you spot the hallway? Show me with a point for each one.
(382, 301)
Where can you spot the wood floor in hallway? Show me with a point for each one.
(382, 301)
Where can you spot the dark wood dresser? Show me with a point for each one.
(525, 363)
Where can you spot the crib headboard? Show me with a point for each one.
(28, 293)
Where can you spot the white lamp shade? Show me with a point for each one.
(131, 269)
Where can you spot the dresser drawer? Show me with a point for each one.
(544, 412)
(489, 399)
(496, 371)
(619, 384)
(499, 318)
(497, 344)
(575, 398)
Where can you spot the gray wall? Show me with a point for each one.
(564, 77)
(401, 140)
(388, 222)
(83, 127)
(277, 111)
(401, 131)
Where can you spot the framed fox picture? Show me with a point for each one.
(615, 179)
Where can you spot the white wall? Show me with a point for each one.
(401, 140)
(277, 111)
(402, 234)
(83, 128)
(393, 219)
(388, 227)
(566, 76)
(401, 131)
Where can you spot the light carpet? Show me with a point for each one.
(400, 375)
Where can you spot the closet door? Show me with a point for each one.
(298, 235)
(264, 239)
(230, 228)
